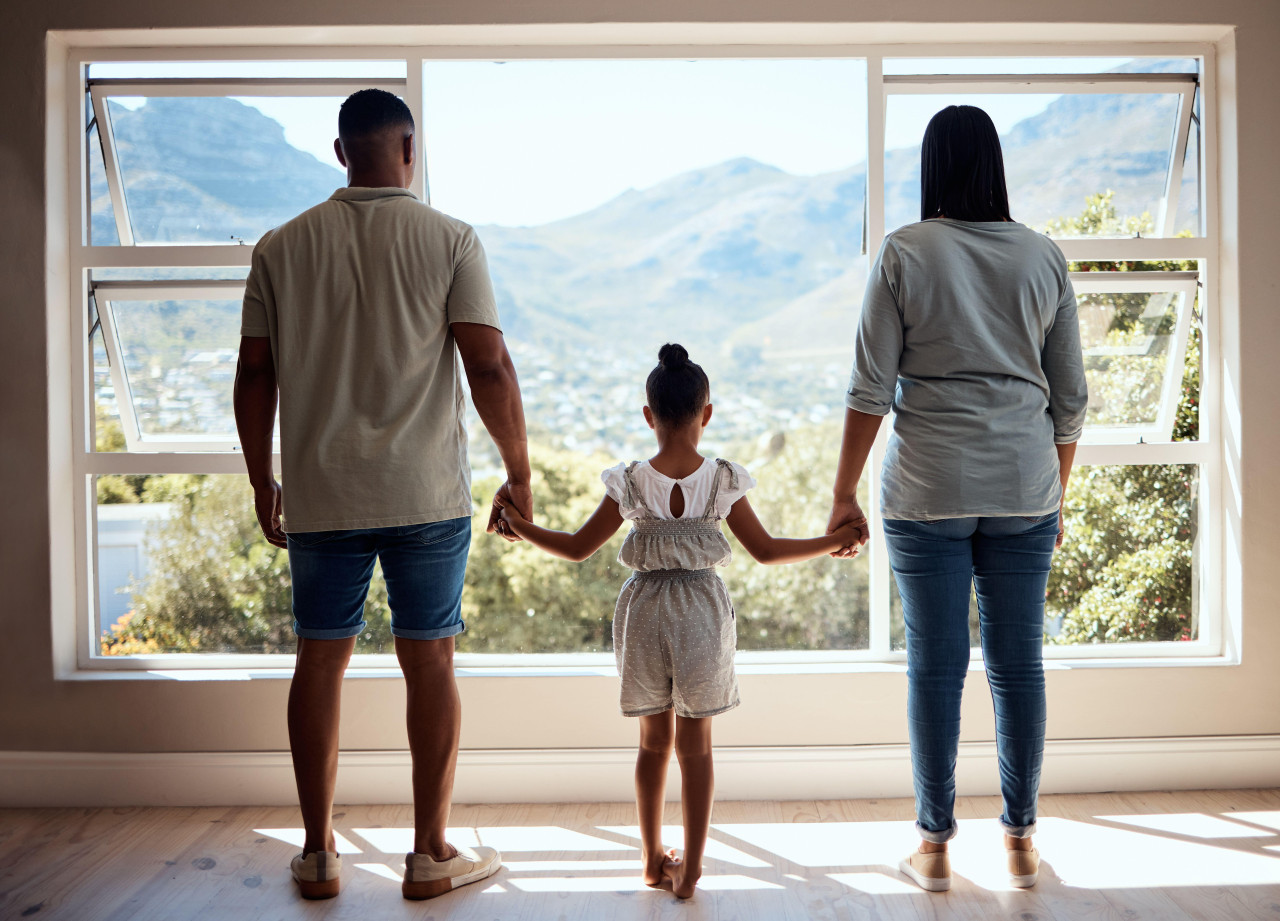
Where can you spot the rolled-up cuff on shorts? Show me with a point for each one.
(339, 633)
(937, 837)
(1018, 831)
(439, 633)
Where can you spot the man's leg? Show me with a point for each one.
(315, 698)
(434, 716)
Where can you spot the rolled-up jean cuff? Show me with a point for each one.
(937, 837)
(438, 634)
(1018, 831)
(338, 633)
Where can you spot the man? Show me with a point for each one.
(352, 312)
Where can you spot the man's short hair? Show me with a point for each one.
(369, 112)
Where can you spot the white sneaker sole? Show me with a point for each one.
(1024, 882)
(927, 883)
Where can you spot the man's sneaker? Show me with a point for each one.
(317, 874)
(425, 878)
(931, 872)
(1024, 868)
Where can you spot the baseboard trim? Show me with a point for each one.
(605, 774)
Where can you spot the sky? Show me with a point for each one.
(527, 142)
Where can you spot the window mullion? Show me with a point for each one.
(414, 94)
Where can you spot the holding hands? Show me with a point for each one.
(847, 517)
(517, 496)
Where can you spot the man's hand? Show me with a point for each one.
(517, 495)
(268, 503)
(848, 512)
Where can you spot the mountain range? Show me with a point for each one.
(738, 257)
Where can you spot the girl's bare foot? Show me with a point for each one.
(683, 876)
(653, 864)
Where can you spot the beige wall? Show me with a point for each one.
(38, 712)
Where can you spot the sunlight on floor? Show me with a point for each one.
(1159, 850)
(1093, 856)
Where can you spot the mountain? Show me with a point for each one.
(206, 170)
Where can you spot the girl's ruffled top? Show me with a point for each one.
(661, 541)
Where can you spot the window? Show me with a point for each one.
(726, 204)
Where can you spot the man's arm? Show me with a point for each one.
(496, 394)
(255, 407)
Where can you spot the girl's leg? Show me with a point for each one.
(656, 739)
(697, 791)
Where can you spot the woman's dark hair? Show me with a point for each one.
(677, 389)
(962, 168)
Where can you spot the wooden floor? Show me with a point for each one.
(1112, 857)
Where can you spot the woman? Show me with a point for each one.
(969, 334)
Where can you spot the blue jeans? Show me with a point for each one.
(1007, 561)
(424, 566)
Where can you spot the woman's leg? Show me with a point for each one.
(697, 791)
(932, 564)
(656, 740)
(1011, 570)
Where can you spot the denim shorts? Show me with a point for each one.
(424, 566)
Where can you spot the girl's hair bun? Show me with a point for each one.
(672, 356)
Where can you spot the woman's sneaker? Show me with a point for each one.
(425, 878)
(931, 872)
(1024, 868)
(317, 874)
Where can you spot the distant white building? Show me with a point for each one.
(122, 554)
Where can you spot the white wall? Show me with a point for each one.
(39, 713)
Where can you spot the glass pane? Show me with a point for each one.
(102, 218)
(624, 204)
(108, 433)
(1058, 151)
(183, 568)
(219, 170)
(180, 362)
(1187, 222)
(172, 273)
(1126, 569)
(1037, 65)
(335, 70)
(1128, 342)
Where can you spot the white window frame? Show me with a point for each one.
(141, 458)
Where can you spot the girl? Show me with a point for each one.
(674, 631)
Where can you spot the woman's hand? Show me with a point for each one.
(1057, 544)
(848, 512)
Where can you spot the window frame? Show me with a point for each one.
(85, 463)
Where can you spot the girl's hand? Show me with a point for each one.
(847, 512)
(851, 536)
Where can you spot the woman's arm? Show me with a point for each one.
(578, 546)
(765, 548)
(859, 434)
(1066, 457)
